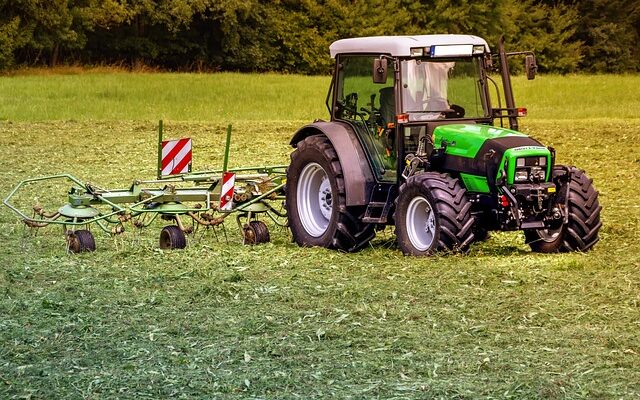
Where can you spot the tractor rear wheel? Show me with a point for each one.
(172, 237)
(316, 200)
(581, 232)
(433, 214)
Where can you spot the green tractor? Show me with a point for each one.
(411, 142)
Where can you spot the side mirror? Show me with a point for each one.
(530, 66)
(380, 70)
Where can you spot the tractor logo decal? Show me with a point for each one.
(176, 156)
(527, 148)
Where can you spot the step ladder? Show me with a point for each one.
(377, 211)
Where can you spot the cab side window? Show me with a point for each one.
(370, 107)
(358, 97)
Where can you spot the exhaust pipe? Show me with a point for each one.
(506, 84)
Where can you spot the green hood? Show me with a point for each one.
(465, 140)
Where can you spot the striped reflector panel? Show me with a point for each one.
(226, 194)
(176, 156)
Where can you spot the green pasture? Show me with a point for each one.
(228, 97)
(220, 320)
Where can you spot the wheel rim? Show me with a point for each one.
(549, 235)
(249, 235)
(73, 242)
(421, 223)
(314, 199)
(165, 240)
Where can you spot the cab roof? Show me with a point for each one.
(400, 46)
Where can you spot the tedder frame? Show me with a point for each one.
(207, 198)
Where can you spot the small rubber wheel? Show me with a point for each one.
(80, 241)
(544, 240)
(172, 237)
(256, 232)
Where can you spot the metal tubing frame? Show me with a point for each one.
(261, 197)
(225, 162)
(160, 134)
(75, 180)
(211, 177)
(135, 209)
(196, 176)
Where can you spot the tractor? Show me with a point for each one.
(415, 140)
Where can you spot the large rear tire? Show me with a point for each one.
(433, 214)
(316, 200)
(581, 231)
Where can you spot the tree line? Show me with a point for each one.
(294, 36)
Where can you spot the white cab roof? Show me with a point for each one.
(399, 46)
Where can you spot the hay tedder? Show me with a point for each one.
(186, 200)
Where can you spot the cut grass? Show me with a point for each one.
(221, 320)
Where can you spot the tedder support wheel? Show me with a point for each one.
(581, 231)
(80, 241)
(172, 237)
(433, 214)
(256, 232)
(316, 200)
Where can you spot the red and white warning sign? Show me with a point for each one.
(226, 194)
(176, 156)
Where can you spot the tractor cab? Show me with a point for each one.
(394, 91)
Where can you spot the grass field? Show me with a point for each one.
(221, 320)
(207, 97)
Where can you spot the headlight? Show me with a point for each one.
(538, 174)
(531, 169)
(522, 175)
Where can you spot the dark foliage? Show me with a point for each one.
(293, 36)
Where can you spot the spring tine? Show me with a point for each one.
(224, 230)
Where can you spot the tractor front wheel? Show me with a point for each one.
(316, 200)
(433, 214)
(581, 231)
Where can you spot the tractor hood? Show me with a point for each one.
(466, 140)
(484, 151)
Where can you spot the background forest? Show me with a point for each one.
(293, 36)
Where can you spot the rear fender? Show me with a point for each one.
(358, 177)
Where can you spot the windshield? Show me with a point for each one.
(442, 89)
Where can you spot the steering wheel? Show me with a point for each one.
(455, 111)
(349, 106)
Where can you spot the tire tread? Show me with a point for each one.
(453, 208)
(351, 234)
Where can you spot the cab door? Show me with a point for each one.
(370, 108)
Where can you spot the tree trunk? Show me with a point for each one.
(54, 55)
